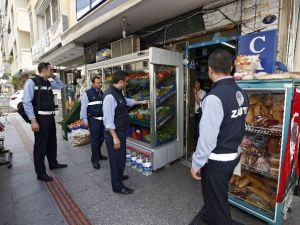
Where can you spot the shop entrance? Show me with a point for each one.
(197, 72)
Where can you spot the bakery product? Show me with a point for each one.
(250, 116)
(274, 145)
(253, 99)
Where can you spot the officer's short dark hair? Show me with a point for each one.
(119, 75)
(220, 61)
(43, 65)
(94, 78)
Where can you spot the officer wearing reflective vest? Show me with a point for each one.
(39, 107)
(116, 121)
(222, 128)
(92, 115)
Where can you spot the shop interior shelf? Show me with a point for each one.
(144, 123)
(141, 142)
(251, 206)
(274, 131)
(164, 120)
(166, 77)
(263, 173)
(162, 99)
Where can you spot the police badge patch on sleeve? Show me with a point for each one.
(240, 98)
(241, 110)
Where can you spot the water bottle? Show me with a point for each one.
(133, 160)
(147, 167)
(128, 158)
(139, 163)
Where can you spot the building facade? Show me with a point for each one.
(16, 37)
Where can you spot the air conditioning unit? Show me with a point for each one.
(125, 46)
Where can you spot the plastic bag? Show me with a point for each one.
(80, 137)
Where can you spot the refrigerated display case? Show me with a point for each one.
(156, 129)
(264, 183)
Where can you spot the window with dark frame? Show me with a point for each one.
(83, 7)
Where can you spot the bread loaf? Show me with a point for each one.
(244, 182)
(253, 99)
(273, 146)
(268, 100)
(263, 194)
(258, 182)
(250, 116)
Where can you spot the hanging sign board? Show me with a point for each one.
(263, 44)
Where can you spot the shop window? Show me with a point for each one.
(48, 17)
(31, 27)
(54, 6)
(83, 7)
(41, 26)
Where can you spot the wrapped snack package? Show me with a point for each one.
(80, 137)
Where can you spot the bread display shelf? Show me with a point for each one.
(265, 131)
(252, 205)
(260, 172)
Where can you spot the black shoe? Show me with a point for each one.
(125, 191)
(58, 166)
(200, 218)
(125, 177)
(96, 166)
(102, 157)
(44, 177)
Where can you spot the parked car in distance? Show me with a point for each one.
(16, 99)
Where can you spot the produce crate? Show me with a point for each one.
(71, 117)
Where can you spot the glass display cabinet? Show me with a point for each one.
(156, 129)
(259, 186)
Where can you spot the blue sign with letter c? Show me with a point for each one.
(262, 43)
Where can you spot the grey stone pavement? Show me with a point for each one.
(167, 197)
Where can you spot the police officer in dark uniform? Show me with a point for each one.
(116, 122)
(92, 115)
(222, 128)
(38, 102)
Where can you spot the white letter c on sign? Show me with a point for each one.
(252, 48)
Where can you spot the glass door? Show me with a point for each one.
(138, 88)
(166, 104)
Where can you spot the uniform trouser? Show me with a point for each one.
(97, 138)
(215, 177)
(117, 159)
(45, 144)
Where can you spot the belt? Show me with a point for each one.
(98, 118)
(46, 112)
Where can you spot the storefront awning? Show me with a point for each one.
(64, 54)
(105, 22)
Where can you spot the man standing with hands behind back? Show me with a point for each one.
(38, 102)
(222, 128)
(116, 122)
(92, 116)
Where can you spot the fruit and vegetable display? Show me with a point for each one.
(265, 110)
(76, 125)
(254, 189)
(163, 92)
(163, 112)
(166, 135)
(138, 133)
(142, 94)
(162, 75)
(140, 114)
